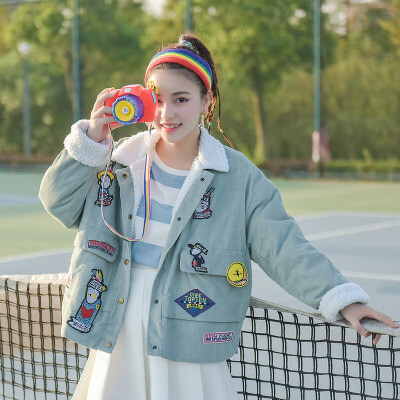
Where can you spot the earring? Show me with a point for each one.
(202, 120)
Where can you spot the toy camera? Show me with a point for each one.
(133, 103)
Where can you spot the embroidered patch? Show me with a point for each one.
(90, 305)
(217, 337)
(104, 192)
(198, 260)
(203, 208)
(194, 302)
(102, 246)
(237, 274)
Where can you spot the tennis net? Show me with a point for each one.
(283, 353)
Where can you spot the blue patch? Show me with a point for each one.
(104, 196)
(83, 320)
(194, 302)
(198, 260)
(203, 208)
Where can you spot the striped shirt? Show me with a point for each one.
(165, 184)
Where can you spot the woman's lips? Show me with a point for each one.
(170, 127)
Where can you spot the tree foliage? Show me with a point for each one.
(111, 55)
(263, 53)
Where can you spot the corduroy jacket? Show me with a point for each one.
(227, 214)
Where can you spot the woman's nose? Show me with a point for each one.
(167, 111)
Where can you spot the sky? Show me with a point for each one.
(154, 6)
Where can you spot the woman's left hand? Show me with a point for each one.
(356, 311)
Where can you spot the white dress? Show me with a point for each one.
(128, 373)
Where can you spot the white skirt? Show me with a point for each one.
(129, 374)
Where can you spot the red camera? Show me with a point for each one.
(133, 103)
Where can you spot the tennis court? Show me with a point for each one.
(363, 244)
(362, 237)
(356, 224)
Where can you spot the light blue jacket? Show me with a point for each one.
(227, 214)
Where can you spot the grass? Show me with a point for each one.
(303, 197)
(29, 228)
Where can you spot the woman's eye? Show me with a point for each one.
(181, 100)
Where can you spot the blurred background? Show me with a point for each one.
(310, 93)
(285, 70)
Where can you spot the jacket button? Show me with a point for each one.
(124, 175)
(130, 216)
(179, 218)
(121, 300)
(108, 344)
(156, 301)
(154, 347)
(126, 262)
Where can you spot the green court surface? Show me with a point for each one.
(26, 227)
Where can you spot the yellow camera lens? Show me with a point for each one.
(124, 110)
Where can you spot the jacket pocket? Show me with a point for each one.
(215, 262)
(212, 301)
(103, 244)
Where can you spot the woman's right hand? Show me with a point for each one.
(98, 127)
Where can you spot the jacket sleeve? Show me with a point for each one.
(278, 246)
(67, 182)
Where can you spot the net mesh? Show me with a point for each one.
(290, 356)
(282, 354)
(35, 361)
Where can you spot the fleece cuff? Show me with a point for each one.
(84, 149)
(339, 297)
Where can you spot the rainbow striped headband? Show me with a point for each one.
(185, 58)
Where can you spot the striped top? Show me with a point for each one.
(165, 184)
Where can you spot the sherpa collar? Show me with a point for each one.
(132, 153)
(211, 152)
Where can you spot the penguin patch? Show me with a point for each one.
(104, 189)
(196, 250)
(90, 305)
(194, 302)
(203, 208)
(237, 274)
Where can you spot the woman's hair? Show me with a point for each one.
(199, 48)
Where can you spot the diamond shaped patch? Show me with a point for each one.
(194, 302)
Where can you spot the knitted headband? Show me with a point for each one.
(185, 58)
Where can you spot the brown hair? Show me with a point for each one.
(201, 50)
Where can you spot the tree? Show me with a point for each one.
(253, 42)
(111, 53)
(392, 25)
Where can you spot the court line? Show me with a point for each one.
(344, 213)
(371, 275)
(35, 255)
(7, 201)
(353, 230)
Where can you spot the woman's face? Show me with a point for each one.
(179, 106)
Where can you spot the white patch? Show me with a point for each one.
(217, 337)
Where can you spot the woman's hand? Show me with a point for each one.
(98, 128)
(356, 311)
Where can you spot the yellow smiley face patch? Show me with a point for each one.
(237, 274)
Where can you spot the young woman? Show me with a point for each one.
(163, 313)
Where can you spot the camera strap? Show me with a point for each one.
(146, 190)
